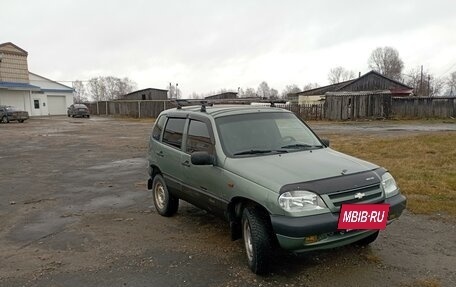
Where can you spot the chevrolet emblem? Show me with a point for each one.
(359, 195)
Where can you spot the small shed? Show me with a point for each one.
(223, 96)
(147, 94)
(369, 82)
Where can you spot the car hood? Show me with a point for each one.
(275, 171)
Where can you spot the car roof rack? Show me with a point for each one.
(181, 103)
(204, 104)
(276, 102)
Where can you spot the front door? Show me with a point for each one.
(36, 107)
(202, 182)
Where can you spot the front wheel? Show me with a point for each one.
(165, 203)
(257, 235)
(5, 120)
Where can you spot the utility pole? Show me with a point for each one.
(429, 85)
(421, 82)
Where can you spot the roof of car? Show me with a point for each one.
(227, 110)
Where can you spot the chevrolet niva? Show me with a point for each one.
(264, 170)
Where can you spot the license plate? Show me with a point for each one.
(363, 216)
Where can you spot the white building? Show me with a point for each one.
(35, 94)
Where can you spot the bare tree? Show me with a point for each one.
(387, 62)
(80, 93)
(263, 90)
(250, 93)
(96, 89)
(173, 91)
(340, 74)
(426, 85)
(273, 94)
(109, 88)
(451, 83)
(290, 89)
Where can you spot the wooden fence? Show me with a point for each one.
(413, 107)
(336, 108)
(131, 108)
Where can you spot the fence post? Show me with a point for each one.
(106, 107)
(164, 105)
(139, 109)
(98, 109)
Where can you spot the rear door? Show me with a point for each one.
(169, 154)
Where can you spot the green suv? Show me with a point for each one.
(264, 170)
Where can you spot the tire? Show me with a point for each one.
(257, 235)
(165, 203)
(368, 240)
(5, 120)
(21, 121)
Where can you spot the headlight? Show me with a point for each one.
(389, 185)
(300, 200)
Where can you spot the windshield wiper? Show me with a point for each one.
(259, 151)
(298, 145)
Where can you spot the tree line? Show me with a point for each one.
(102, 89)
(385, 60)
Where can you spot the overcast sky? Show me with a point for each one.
(209, 45)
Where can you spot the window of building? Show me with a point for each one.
(199, 138)
(173, 132)
(36, 103)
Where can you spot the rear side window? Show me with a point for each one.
(157, 131)
(198, 138)
(173, 132)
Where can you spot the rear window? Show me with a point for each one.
(198, 138)
(157, 131)
(173, 132)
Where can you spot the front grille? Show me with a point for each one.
(371, 194)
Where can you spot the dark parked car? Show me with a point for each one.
(10, 113)
(78, 110)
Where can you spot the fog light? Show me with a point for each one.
(310, 239)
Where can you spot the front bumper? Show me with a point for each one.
(291, 232)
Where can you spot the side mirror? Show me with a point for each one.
(201, 158)
(325, 142)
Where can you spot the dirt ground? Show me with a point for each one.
(74, 211)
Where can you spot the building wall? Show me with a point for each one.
(148, 94)
(18, 99)
(13, 65)
(304, 100)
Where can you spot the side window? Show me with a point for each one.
(156, 132)
(198, 138)
(173, 132)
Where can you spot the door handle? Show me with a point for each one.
(186, 163)
(159, 153)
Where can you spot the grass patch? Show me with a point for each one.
(423, 165)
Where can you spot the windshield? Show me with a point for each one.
(264, 133)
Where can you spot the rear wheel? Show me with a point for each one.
(165, 203)
(368, 240)
(5, 120)
(21, 121)
(257, 235)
